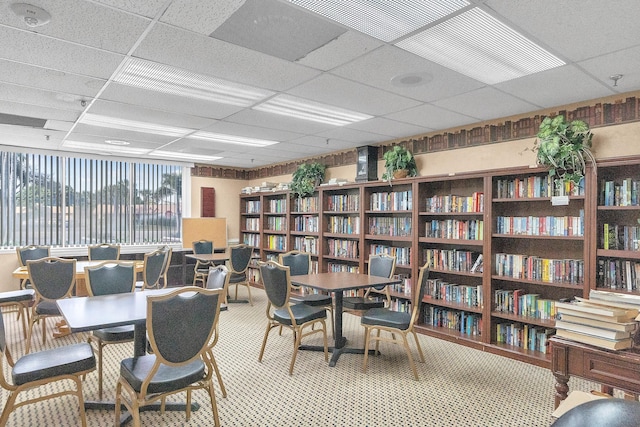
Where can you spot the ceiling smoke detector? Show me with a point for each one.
(32, 15)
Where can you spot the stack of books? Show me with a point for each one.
(606, 319)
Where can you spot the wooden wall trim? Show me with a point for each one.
(597, 113)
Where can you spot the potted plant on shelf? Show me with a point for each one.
(565, 148)
(306, 178)
(399, 163)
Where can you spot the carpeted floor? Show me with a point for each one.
(458, 386)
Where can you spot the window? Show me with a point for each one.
(68, 201)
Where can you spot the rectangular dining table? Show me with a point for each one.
(84, 314)
(337, 283)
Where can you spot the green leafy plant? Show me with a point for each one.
(397, 159)
(565, 147)
(306, 178)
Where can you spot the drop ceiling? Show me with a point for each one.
(59, 79)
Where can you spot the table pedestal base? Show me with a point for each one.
(125, 416)
(337, 351)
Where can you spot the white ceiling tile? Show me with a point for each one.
(277, 121)
(75, 21)
(341, 50)
(339, 92)
(353, 135)
(625, 62)
(166, 102)
(237, 129)
(199, 16)
(576, 31)
(390, 128)
(148, 8)
(30, 48)
(21, 109)
(87, 133)
(377, 68)
(206, 55)
(556, 87)
(40, 97)
(43, 78)
(432, 117)
(486, 103)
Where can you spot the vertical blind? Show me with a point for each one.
(66, 201)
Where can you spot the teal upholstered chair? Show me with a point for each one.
(280, 312)
(602, 413)
(110, 277)
(381, 265)
(238, 264)
(180, 326)
(32, 252)
(154, 268)
(397, 324)
(65, 363)
(104, 252)
(201, 269)
(300, 263)
(52, 279)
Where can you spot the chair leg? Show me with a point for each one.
(264, 341)
(415, 336)
(188, 408)
(215, 367)
(100, 346)
(23, 312)
(367, 335)
(249, 291)
(214, 405)
(296, 344)
(29, 335)
(83, 416)
(44, 331)
(8, 408)
(411, 362)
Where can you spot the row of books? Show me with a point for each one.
(402, 254)
(470, 295)
(252, 224)
(521, 303)
(541, 226)
(457, 320)
(403, 287)
(605, 319)
(306, 223)
(524, 336)
(455, 229)
(343, 248)
(399, 226)
(455, 204)
(343, 203)
(278, 206)
(616, 237)
(253, 206)
(450, 259)
(344, 224)
(278, 243)
(391, 201)
(251, 239)
(276, 223)
(536, 186)
(615, 273)
(536, 268)
(306, 244)
(336, 267)
(624, 193)
(306, 204)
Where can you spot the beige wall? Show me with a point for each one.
(611, 141)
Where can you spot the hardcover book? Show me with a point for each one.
(595, 341)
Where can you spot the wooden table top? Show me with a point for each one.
(341, 281)
(22, 273)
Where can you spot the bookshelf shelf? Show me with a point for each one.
(529, 236)
(609, 253)
(453, 305)
(457, 242)
(546, 323)
(575, 286)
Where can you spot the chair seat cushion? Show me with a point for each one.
(17, 296)
(115, 334)
(237, 278)
(69, 359)
(360, 303)
(48, 308)
(167, 378)
(314, 300)
(385, 317)
(303, 313)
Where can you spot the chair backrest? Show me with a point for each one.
(203, 247)
(154, 263)
(52, 278)
(218, 277)
(417, 293)
(104, 252)
(110, 277)
(298, 262)
(167, 262)
(181, 323)
(239, 258)
(382, 265)
(27, 253)
(276, 281)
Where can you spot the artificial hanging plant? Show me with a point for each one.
(306, 178)
(398, 159)
(564, 147)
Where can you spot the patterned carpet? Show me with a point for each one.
(458, 386)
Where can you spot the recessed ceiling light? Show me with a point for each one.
(184, 156)
(478, 45)
(300, 108)
(411, 79)
(231, 139)
(133, 125)
(102, 148)
(116, 142)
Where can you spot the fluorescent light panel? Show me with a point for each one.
(231, 139)
(103, 148)
(183, 156)
(384, 20)
(477, 45)
(175, 81)
(292, 106)
(133, 125)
